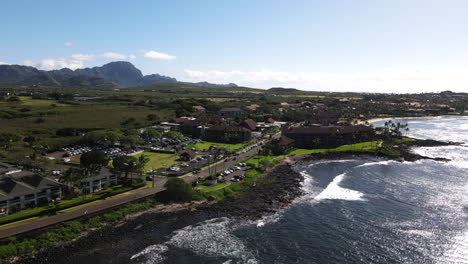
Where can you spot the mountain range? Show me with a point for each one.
(118, 74)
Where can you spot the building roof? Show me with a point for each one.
(189, 153)
(325, 130)
(23, 183)
(228, 128)
(250, 124)
(270, 120)
(198, 107)
(284, 140)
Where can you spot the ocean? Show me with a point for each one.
(358, 210)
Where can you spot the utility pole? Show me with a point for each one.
(152, 168)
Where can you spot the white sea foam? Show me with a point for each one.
(384, 162)
(335, 192)
(457, 253)
(458, 155)
(212, 238)
(152, 253)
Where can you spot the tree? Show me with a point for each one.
(125, 164)
(6, 139)
(173, 134)
(131, 140)
(29, 140)
(178, 190)
(150, 133)
(13, 99)
(73, 176)
(152, 117)
(93, 160)
(142, 161)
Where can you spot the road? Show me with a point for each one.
(118, 200)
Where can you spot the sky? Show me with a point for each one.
(390, 46)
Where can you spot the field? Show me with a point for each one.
(86, 115)
(159, 160)
(213, 188)
(256, 160)
(370, 146)
(205, 145)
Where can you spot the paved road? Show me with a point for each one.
(91, 209)
(119, 200)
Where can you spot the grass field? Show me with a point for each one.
(205, 145)
(370, 146)
(256, 160)
(159, 160)
(213, 188)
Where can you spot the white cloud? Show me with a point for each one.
(158, 55)
(376, 81)
(73, 62)
(113, 55)
(4, 63)
(68, 44)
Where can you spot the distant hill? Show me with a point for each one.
(111, 75)
(280, 90)
(30, 76)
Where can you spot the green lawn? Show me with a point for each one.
(256, 160)
(212, 188)
(370, 146)
(26, 100)
(205, 145)
(159, 160)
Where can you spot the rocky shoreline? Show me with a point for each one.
(270, 193)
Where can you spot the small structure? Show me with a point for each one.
(253, 107)
(230, 111)
(199, 108)
(187, 155)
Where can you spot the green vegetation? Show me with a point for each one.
(67, 231)
(212, 188)
(371, 146)
(259, 160)
(54, 208)
(405, 140)
(177, 190)
(205, 145)
(158, 160)
(222, 190)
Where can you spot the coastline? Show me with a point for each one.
(377, 119)
(269, 194)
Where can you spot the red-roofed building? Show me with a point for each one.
(250, 124)
(199, 108)
(253, 107)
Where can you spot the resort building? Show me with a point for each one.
(327, 136)
(24, 189)
(104, 179)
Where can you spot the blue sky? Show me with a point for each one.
(347, 45)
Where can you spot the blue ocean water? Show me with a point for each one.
(359, 210)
